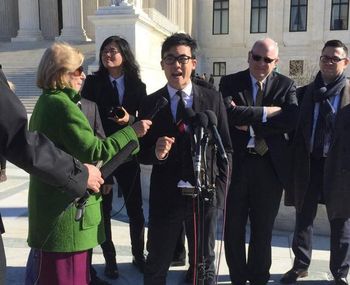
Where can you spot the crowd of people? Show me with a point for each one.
(234, 150)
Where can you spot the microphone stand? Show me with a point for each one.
(201, 188)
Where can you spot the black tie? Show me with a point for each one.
(260, 144)
(115, 88)
(180, 110)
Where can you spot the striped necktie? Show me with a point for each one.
(260, 144)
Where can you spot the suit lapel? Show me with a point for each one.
(306, 118)
(246, 94)
(197, 99)
(345, 101)
(167, 110)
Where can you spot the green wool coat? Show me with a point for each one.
(51, 212)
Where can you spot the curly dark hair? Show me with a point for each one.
(130, 65)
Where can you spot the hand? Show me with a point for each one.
(273, 111)
(141, 127)
(233, 104)
(95, 179)
(106, 188)
(163, 146)
(242, 128)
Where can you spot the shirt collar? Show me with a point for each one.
(119, 80)
(187, 90)
(254, 81)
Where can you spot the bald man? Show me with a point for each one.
(262, 107)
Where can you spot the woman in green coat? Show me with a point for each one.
(59, 242)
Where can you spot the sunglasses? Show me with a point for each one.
(78, 71)
(267, 60)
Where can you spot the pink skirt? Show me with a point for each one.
(58, 268)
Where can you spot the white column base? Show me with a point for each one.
(28, 36)
(73, 35)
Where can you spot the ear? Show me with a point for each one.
(347, 61)
(248, 56)
(162, 64)
(194, 64)
(276, 61)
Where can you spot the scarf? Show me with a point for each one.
(326, 117)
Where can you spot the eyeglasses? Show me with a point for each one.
(182, 59)
(327, 59)
(267, 60)
(78, 71)
(111, 51)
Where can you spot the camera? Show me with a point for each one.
(116, 112)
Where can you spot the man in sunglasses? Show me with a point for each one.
(262, 107)
(321, 167)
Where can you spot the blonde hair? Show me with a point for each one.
(56, 62)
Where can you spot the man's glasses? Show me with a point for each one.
(332, 59)
(182, 59)
(111, 51)
(78, 71)
(256, 57)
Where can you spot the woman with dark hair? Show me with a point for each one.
(118, 91)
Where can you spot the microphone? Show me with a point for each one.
(189, 116)
(213, 121)
(200, 123)
(160, 104)
(106, 170)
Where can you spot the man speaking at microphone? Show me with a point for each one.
(168, 147)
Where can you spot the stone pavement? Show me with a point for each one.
(13, 205)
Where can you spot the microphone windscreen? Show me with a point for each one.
(202, 120)
(188, 116)
(213, 120)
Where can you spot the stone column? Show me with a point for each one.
(8, 19)
(171, 10)
(73, 30)
(28, 21)
(90, 8)
(49, 19)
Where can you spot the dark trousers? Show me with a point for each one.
(255, 193)
(163, 236)
(2, 162)
(340, 228)
(180, 251)
(128, 178)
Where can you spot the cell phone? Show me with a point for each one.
(116, 112)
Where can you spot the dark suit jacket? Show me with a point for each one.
(98, 88)
(164, 194)
(337, 167)
(279, 91)
(91, 112)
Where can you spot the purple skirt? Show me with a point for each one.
(58, 268)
